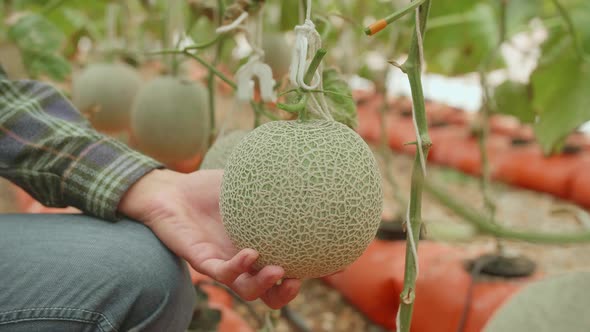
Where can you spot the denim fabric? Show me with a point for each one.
(78, 273)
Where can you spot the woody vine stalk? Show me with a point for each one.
(413, 69)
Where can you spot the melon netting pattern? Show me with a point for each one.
(307, 195)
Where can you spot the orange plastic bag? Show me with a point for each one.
(580, 185)
(528, 167)
(454, 146)
(369, 119)
(400, 132)
(374, 282)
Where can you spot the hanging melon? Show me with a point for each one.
(218, 154)
(306, 195)
(277, 54)
(104, 93)
(11, 61)
(170, 119)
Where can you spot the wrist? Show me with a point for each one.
(148, 190)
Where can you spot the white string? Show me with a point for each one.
(411, 236)
(415, 122)
(307, 42)
(233, 25)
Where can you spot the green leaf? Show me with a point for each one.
(461, 34)
(34, 32)
(561, 83)
(51, 64)
(39, 41)
(339, 98)
(513, 98)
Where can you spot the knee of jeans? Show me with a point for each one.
(155, 286)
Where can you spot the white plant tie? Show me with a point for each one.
(255, 67)
(307, 43)
(233, 25)
(245, 80)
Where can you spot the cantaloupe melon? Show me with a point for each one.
(104, 93)
(12, 61)
(558, 303)
(219, 153)
(277, 54)
(170, 119)
(307, 195)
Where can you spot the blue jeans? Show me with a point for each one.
(77, 273)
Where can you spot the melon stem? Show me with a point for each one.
(313, 67)
(413, 69)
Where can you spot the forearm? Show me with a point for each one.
(49, 149)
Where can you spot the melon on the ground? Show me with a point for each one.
(219, 153)
(307, 195)
(277, 54)
(170, 119)
(104, 93)
(12, 61)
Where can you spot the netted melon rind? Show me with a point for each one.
(219, 153)
(104, 93)
(306, 195)
(170, 119)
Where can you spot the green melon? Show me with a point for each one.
(170, 119)
(306, 195)
(558, 303)
(277, 54)
(12, 61)
(104, 93)
(219, 153)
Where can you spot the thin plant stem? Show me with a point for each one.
(313, 66)
(382, 23)
(487, 226)
(413, 69)
(485, 113)
(211, 77)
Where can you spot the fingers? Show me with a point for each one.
(279, 295)
(227, 271)
(239, 275)
(253, 286)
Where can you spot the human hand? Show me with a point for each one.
(183, 212)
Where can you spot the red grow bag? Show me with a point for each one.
(528, 167)
(374, 282)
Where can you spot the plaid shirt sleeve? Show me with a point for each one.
(51, 151)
